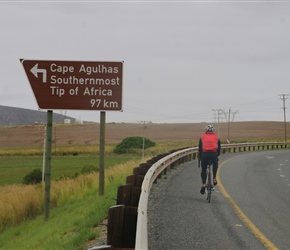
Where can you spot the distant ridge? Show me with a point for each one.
(10, 116)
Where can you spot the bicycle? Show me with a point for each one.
(209, 181)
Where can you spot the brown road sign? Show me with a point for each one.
(76, 85)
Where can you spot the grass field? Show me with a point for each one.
(14, 167)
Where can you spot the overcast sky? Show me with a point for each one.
(182, 59)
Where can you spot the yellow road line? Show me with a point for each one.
(260, 236)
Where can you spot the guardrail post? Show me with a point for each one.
(135, 180)
(122, 221)
(115, 225)
(144, 168)
(129, 227)
(135, 196)
(139, 180)
(137, 171)
(124, 194)
(150, 162)
(131, 179)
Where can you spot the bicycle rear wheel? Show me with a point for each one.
(208, 187)
(208, 194)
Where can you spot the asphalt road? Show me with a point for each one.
(250, 208)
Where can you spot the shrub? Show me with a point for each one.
(134, 142)
(35, 176)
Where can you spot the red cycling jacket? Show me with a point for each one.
(209, 142)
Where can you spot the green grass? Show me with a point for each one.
(13, 168)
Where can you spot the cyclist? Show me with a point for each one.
(209, 149)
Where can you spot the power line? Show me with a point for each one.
(230, 118)
(217, 115)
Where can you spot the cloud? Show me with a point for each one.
(181, 59)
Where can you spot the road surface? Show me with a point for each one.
(250, 208)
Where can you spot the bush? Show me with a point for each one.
(35, 176)
(134, 142)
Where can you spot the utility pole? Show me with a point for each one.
(229, 121)
(143, 146)
(217, 112)
(230, 117)
(283, 97)
(217, 115)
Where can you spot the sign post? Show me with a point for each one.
(102, 153)
(47, 174)
(75, 85)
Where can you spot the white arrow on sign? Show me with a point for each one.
(35, 70)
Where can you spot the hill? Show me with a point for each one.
(19, 116)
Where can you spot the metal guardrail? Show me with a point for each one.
(151, 175)
(159, 166)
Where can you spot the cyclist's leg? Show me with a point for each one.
(203, 172)
(215, 167)
(204, 161)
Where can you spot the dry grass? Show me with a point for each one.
(21, 202)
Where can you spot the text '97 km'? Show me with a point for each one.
(104, 103)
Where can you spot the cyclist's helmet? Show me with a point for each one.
(209, 128)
